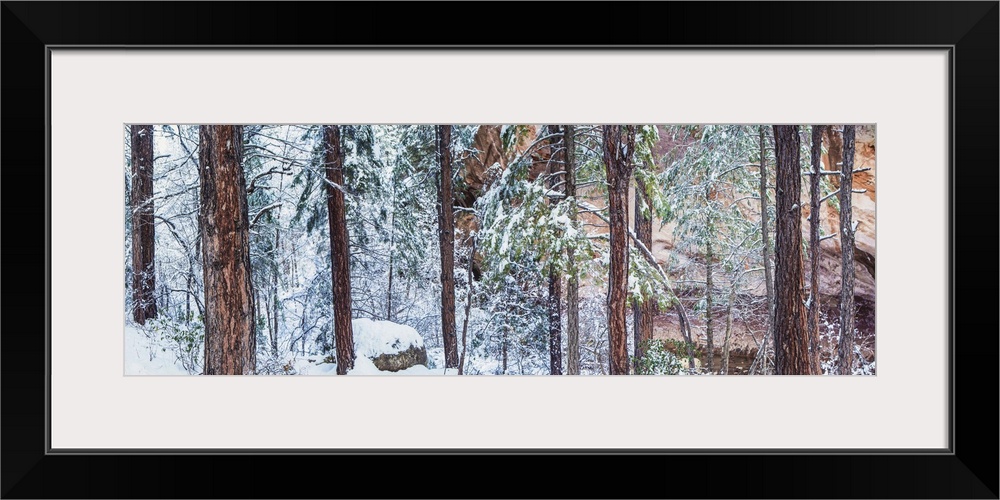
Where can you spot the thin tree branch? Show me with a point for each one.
(262, 211)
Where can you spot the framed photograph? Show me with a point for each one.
(325, 132)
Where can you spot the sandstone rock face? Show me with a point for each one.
(489, 147)
(863, 207)
(490, 161)
(664, 239)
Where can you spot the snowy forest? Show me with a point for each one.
(499, 249)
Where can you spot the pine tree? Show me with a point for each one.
(845, 349)
(644, 308)
(572, 279)
(618, 146)
(143, 233)
(790, 333)
(708, 184)
(339, 248)
(230, 329)
(556, 165)
(814, 210)
(446, 238)
(765, 232)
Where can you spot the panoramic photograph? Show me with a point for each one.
(501, 249)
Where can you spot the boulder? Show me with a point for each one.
(401, 360)
(390, 346)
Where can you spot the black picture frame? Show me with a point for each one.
(968, 469)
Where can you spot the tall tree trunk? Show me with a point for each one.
(389, 313)
(686, 333)
(765, 233)
(446, 237)
(503, 349)
(143, 270)
(729, 329)
(274, 292)
(274, 337)
(710, 355)
(164, 294)
(555, 322)
(572, 281)
(230, 326)
(555, 166)
(619, 143)
(340, 253)
(845, 349)
(790, 334)
(643, 321)
(468, 310)
(814, 209)
(274, 316)
(388, 294)
(834, 151)
(187, 296)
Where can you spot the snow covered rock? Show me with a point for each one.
(390, 346)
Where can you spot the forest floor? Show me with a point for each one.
(150, 353)
(746, 336)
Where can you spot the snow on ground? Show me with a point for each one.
(364, 366)
(313, 365)
(148, 353)
(144, 355)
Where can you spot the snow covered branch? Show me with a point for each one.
(253, 182)
(262, 211)
(831, 195)
(645, 252)
(838, 172)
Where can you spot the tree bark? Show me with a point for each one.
(729, 329)
(710, 355)
(143, 234)
(503, 349)
(834, 152)
(686, 333)
(572, 281)
(340, 253)
(392, 242)
(230, 326)
(273, 316)
(790, 334)
(619, 144)
(555, 323)
(468, 310)
(274, 293)
(846, 345)
(642, 323)
(765, 233)
(814, 209)
(554, 303)
(446, 238)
